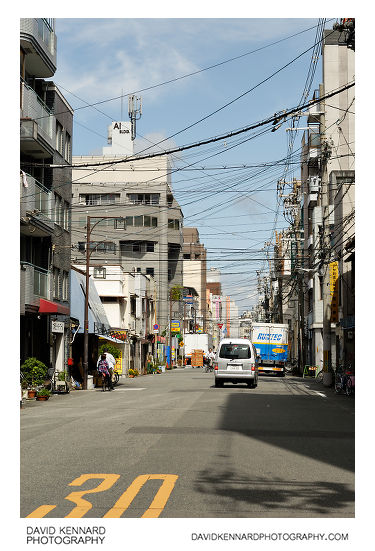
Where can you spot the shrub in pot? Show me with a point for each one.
(43, 394)
(34, 372)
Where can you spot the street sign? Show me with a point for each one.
(220, 325)
(156, 328)
(181, 343)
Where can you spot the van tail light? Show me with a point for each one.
(253, 368)
(215, 366)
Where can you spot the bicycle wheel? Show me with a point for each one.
(116, 378)
(349, 387)
(338, 387)
(319, 376)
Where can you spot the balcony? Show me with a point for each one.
(38, 40)
(315, 110)
(35, 284)
(37, 125)
(36, 207)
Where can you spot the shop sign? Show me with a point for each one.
(57, 326)
(334, 291)
(175, 327)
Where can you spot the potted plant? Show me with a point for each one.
(131, 373)
(34, 373)
(43, 395)
(136, 372)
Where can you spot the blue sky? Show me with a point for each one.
(100, 59)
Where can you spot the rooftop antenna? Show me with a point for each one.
(135, 112)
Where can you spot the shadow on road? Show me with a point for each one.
(316, 498)
(302, 424)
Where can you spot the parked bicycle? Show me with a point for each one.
(344, 381)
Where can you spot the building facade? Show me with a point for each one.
(194, 272)
(135, 220)
(46, 121)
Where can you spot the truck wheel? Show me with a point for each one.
(252, 385)
(219, 383)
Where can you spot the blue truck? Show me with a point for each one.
(271, 343)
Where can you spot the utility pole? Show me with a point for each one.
(89, 229)
(326, 246)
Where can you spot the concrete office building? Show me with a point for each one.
(135, 219)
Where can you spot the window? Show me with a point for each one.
(173, 224)
(150, 272)
(59, 208)
(99, 198)
(129, 220)
(107, 246)
(66, 216)
(120, 224)
(154, 222)
(235, 351)
(147, 221)
(150, 246)
(144, 198)
(99, 272)
(56, 281)
(65, 286)
(136, 246)
(186, 256)
(98, 246)
(138, 221)
(59, 138)
(68, 147)
(139, 270)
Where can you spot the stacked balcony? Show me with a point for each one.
(38, 125)
(36, 207)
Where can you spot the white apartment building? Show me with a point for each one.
(129, 303)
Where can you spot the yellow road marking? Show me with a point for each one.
(158, 502)
(76, 497)
(41, 511)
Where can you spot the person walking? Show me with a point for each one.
(111, 365)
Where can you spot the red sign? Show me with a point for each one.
(220, 325)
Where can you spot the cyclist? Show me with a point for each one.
(210, 357)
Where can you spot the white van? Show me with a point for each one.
(236, 362)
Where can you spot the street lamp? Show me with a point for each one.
(89, 229)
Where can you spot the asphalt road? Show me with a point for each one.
(174, 446)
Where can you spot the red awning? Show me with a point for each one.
(49, 307)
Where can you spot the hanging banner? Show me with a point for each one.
(334, 291)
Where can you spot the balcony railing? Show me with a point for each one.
(36, 283)
(43, 31)
(35, 199)
(35, 109)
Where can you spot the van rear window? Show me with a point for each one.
(235, 351)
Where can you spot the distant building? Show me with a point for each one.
(194, 271)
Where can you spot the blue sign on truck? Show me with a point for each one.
(271, 343)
